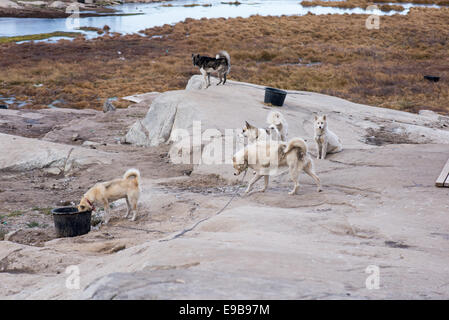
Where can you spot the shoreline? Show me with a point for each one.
(59, 11)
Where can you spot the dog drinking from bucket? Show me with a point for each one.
(127, 188)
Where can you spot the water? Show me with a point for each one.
(155, 14)
(9, 101)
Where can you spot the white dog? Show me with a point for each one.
(276, 130)
(326, 140)
(266, 157)
(278, 124)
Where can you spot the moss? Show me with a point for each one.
(40, 36)
(14, 213)
(32, 224)
(46, 211)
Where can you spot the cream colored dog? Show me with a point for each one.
(276, 130)
(253, 133)
(266, 157)
(277, 123)
(326, 140)
(126, 188)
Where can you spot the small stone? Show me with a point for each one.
(108, 106)
(53, 171)
(90, 144)
(76, 137)
(9, 236)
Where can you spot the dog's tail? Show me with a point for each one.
(298, 144)
(224, 54)
(275, 117)
(134, 174)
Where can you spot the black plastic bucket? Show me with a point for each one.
(71, 223)
(275, 96)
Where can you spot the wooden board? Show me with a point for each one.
(443, 179)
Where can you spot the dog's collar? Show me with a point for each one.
(91, 204)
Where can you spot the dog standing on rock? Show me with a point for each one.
(276, 130)
(267, 157)
(126, 188)
(220, 64)
(326, 140)
(278, 124)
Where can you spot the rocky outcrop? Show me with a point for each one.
(9, 4)
(379, 208)
(157, 125)
(226, 108)
(21, 154)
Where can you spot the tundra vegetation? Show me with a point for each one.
(331, 54)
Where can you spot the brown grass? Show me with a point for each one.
(349, 4)
(379, 67)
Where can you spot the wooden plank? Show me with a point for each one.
(443, 179)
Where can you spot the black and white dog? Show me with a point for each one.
(220, 64)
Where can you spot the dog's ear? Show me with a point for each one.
(324, 117)
(316, 117)
(247, 124)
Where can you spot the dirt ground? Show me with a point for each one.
(27, 198)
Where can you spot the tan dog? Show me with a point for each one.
(266, 157)
(128, 188)
(253, 133)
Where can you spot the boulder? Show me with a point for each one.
(196, 83)
(108, 106)
(9, 4)
(19, 154)
(33, 3)
(221, 111)
(58, 4)
(138, 98)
